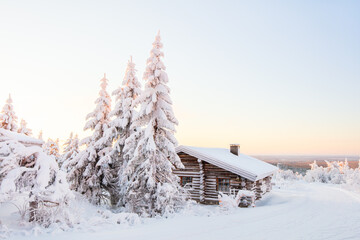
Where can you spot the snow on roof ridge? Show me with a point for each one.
(243, 165)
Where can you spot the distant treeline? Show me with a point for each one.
(300, 165)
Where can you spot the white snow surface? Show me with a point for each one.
(242, 165)
(20, 137)
(297, 210)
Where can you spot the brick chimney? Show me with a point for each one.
(235, 149)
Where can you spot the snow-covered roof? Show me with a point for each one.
(242, 165)
(20, 137)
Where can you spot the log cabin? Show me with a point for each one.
(209, 171)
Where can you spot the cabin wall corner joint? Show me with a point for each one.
(202, 182)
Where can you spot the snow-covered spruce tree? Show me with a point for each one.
(71, 149)
(67, 144)
(23, 128)
(152, 188)
(28, 174)
(121, 128)
(51, 148)
(88, 175)
(8, 119)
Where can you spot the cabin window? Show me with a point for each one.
(223, 184)
(186, 182)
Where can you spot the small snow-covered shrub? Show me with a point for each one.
(353, 177)
(283, 178)
(287, 175)
(227, 201)
(243, 198)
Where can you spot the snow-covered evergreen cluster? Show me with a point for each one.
(125, 163)
(129, 158)
(335, 172)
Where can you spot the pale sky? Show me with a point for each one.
(278, 77)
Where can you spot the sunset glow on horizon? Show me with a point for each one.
(277, 79)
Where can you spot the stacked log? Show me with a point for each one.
(191, 170)
(258, 189)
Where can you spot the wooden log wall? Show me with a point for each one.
(192, 169)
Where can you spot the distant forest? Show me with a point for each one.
(302, 163)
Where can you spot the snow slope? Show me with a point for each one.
(297, 210)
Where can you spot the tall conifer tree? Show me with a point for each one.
(88, 174)
(152, 189)
(71, 149)
(124, 112)
(8, 118)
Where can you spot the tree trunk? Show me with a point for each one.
(114, 199)
(33, 210)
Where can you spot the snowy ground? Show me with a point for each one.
(297, 210)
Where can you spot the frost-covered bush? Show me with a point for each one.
(316, 174)
(283, 178)
(286, 175)
(353, 177)
(28, 171)
(333, 173)
(243, 198)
